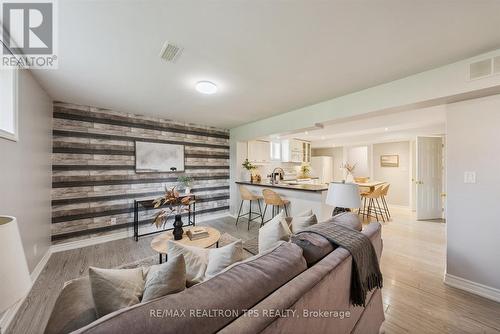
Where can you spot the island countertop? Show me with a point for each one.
(300, 187)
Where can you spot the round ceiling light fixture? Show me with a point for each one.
(206, 87)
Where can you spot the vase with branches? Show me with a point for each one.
(305, 169)
(251, 168)
(175, 205)
(186, 181)
(349, 170)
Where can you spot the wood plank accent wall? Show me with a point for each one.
(93, 166)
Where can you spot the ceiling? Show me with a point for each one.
(267, 57)
(377, 128)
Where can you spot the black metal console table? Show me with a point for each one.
(148, 204)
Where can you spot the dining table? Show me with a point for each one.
(369, 184)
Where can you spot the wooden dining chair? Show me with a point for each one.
(274, 199)
(247, 195)
(385, 190)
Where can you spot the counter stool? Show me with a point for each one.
(247, 195)
(274, 199)
(385, 190)
(373, 204)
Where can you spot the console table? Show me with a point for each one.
(148, 204)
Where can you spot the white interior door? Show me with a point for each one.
(429, 177)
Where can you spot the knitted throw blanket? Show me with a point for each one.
(365, 272)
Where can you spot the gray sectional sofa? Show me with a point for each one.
(273, 292)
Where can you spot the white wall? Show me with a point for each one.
(358, 155)
(398, 177)
(473, 223)
(25, 169)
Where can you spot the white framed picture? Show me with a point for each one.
(8, 104)
(158, 157)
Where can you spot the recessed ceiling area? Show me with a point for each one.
(398, 126)
(266, 57)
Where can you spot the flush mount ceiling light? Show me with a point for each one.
(206, 87)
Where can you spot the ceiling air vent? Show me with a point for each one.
(170, 52)
(480, 69)
(496, 65)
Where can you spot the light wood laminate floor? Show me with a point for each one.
(415, 298)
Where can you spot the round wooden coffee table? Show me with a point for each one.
(160, 243)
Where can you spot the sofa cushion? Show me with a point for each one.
(221, 258)
(164, 279)
(231, 292)
(114, 289)
(273, 231)
(74, 308)
(314, 246)
(300, 223)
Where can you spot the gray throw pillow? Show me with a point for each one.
(114, 289)
(165, 279)
(314, 246)
(349, 219)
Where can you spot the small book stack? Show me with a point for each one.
(197, 233)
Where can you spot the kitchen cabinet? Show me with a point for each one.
(259, 151)
(294, 150)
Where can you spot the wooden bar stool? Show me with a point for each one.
(274, 199)
(385, 190)
(247, 195)
(373, 204)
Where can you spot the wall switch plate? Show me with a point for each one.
(469, 177)
(113, 221)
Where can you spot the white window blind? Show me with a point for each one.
(8, 104)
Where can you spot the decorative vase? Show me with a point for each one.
(349, 178)
(187, 190)
(178, 231)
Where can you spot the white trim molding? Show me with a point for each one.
(9, 315)
(472, 287)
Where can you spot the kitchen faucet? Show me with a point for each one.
(274, 173)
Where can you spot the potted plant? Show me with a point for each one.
(186, 182)
(305, 169)
(175, 205)
(249, 167)
(349, 169)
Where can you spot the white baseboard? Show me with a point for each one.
(115, 236)
(9, 315)
(472, 287)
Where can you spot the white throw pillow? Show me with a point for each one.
(301, 223)
(202, 263)
(196, 259)
(273, 231)
(223, 257)
(165, 279)
(306, 213)
(114, 289)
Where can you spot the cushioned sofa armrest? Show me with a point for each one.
(74, 308)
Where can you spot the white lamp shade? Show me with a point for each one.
(343, 195)
(14, 274)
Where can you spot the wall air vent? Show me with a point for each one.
(480, 69)
(170, 52)
(496, 65)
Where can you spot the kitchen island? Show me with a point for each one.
(302, 197)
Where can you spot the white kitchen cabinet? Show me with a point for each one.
(294, 150)
(259, 151)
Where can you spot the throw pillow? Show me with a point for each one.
(301, 223)
(114, 289)
(314, 246)
(273, 231)
(165, 279)
(196, 259)
(349, 219)
(223, 257)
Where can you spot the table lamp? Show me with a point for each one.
(343, 196)
(14, 275)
